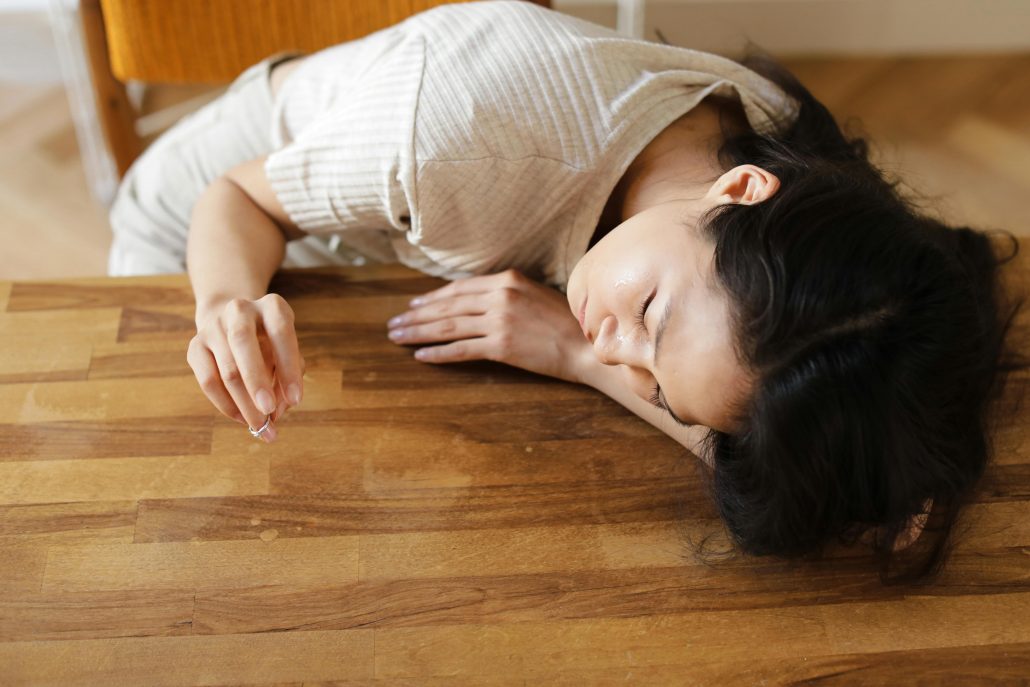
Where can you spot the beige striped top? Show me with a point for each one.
(478, 136)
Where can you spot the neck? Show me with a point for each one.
(680, 163)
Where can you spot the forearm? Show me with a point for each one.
(233, 247)
(608, 380)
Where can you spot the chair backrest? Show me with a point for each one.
(212, 41)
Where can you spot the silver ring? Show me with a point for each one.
(256, 433)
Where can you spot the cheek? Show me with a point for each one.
(639, 381)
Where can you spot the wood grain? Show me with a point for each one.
(419, 524)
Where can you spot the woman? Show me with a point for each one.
(734, 269)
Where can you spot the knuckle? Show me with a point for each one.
(277, 328)
(208, 381)
(505, 343)
(238, 332)
(512, 276)
(507, 296)
(448, 327)
(278, 306)
(235, 307)
(230, 374)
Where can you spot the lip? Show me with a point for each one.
(582, 317)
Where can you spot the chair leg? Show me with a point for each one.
(117, 117)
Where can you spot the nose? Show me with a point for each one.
(613, 346)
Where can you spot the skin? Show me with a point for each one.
(654, 261)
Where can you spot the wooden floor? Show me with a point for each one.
(955, 129)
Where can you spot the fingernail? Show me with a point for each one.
(394, 321)
(421, 354)
(293, 393)
(270, 435)
(265, 402)
(398, 334)
(415, 302)
(239, 418)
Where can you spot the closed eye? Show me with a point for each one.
(643, 309)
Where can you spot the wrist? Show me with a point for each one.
(586, 368)
(209, 307)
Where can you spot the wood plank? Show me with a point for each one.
(21, 569)
(503, 600)
(44, 524)
(112, 479)
(529, 549)
(99, 293)
(539, 649)
(182, 396)
(190, 435)
(415, 510)
(993, 144)
(925, 622)
(264, 560)
(228, 659)
(42, 356)
(35, 616)
(103, 400)
(143, 359)
(89, 326)
(966, 665)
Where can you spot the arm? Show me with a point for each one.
(237, 238)
(245, 354)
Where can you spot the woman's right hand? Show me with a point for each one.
(246, 357)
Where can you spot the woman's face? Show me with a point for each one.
(657, 262)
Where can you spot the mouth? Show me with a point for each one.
(582, 318)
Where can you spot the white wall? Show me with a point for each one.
(23, 5)
(829, 27)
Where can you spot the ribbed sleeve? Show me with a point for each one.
(351, 166)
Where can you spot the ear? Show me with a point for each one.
(745, 184)
(915, 527)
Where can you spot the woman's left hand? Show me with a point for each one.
(505, 317)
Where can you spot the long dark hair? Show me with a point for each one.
(877, 336)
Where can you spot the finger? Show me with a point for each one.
(277, 319)
(206, 371)
(240, 324)
(465, 304)
(230, 375)
(470, 285)
(458, 351)
(447, 329)
(282, 404)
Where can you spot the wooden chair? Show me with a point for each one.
(200, 41)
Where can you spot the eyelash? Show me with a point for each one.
(643, 310)
(654, 398)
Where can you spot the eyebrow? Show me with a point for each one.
(662, 324)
